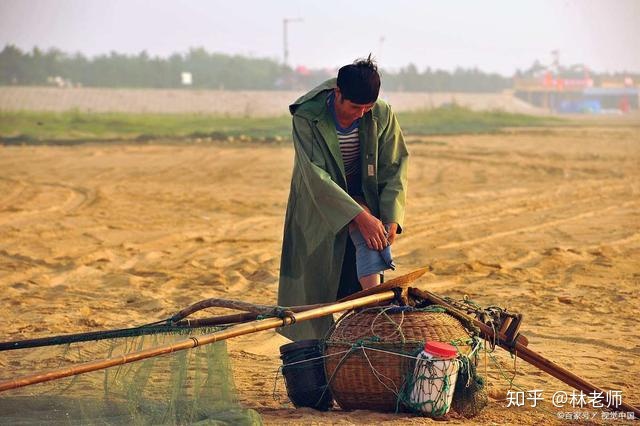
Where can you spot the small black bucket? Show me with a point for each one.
(303, 371)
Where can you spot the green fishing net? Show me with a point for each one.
(192, 386)
(470, 391)
(430, 385)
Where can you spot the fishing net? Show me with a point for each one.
(192, 386)
(435, 386)
(432, 385)
(470, 390)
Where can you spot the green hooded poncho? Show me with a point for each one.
(319, 208)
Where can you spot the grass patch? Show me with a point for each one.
(457, 120)
(78, 127)
(71, 126)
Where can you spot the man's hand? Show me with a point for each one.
(393, 230)
(371, 229)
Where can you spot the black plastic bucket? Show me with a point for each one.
(303, 371)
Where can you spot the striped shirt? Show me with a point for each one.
(350, 149)
(349, 140)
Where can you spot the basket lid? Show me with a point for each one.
(441, 349)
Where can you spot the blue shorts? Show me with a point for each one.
(370, 261)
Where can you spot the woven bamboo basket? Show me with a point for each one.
(369, 353)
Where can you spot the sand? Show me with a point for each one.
(544, 222)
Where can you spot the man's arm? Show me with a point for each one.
(393, 231)
(332, 203)
(371, 228)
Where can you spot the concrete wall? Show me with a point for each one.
(232, 103)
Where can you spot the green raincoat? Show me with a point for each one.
(319, 208)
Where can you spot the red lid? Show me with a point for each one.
(441, 350)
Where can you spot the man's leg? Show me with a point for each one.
(349, 283)
(369, 281)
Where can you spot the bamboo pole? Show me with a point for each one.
(192, 342)
(401, 282)
(520, 350)
(179, 320)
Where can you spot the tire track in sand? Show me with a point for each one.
(505, 205)
(72, 199)
(536, 227)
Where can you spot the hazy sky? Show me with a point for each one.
(493, 35)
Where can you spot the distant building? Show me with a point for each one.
(186, 78)
(577, 94)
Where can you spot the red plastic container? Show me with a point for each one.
(441, 350)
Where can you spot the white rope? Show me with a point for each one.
(398, 327)
(313, 359)
(378, 375)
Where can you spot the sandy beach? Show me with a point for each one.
(545, 222)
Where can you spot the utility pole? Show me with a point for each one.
(555, 55)
(380, 43)
(285, 23)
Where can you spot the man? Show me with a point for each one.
(335, 185)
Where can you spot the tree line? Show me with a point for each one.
(210, 70)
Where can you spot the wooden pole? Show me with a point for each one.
(520, 350)
(221, 303)
(241, 317)
(193, 342)
(159, 327)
